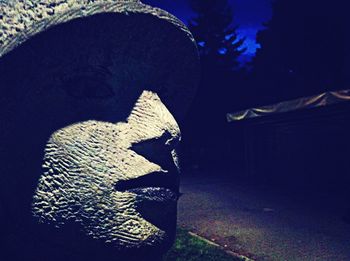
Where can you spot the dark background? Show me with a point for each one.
(260, 52)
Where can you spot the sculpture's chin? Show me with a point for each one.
(83, 247)
(156, 210)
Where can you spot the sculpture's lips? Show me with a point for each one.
(165, 184)
(155, 194)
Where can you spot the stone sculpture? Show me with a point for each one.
(90, 94)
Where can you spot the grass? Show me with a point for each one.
(191, 248)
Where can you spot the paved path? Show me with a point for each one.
(257, 223)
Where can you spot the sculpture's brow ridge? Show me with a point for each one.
(20, 20)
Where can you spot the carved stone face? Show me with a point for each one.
(90, 100)
(109, 165)
(117, 181)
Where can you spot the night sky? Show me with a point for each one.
(249, 16)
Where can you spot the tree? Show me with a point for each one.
(218, 42)
(220, 48)
(304, 49)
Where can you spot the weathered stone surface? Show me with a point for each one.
(20, 20)
(84, 164)
(94, 88)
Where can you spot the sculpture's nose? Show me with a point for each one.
(150, 119)
(154, 132)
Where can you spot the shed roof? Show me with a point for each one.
(320, 100)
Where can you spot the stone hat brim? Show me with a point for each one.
(166, 54)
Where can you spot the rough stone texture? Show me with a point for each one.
(84, 163)
(21, 19)
(70, 74)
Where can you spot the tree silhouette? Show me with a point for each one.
(304, 49)
(220, 48)
(219, 45)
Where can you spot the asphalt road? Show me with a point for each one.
(264, 224)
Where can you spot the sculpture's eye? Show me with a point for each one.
(88, 87)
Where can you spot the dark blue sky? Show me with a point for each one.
(249, 15)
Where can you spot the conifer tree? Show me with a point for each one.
(219, 44)
(220, 48)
